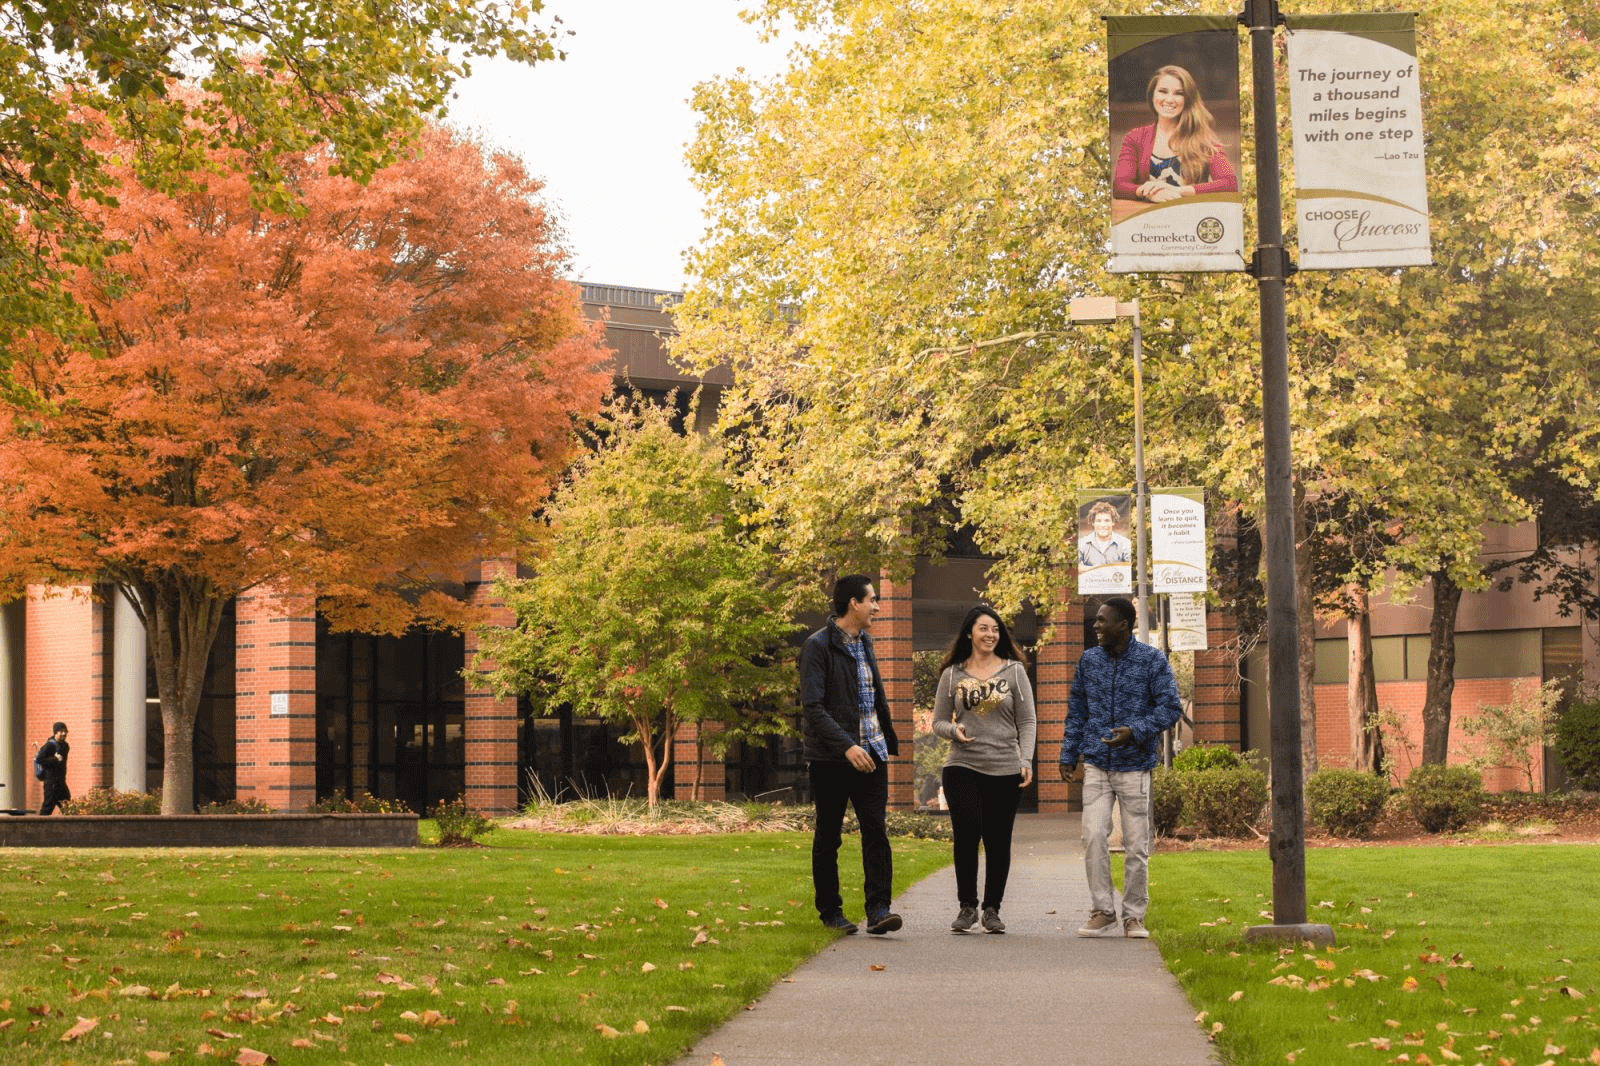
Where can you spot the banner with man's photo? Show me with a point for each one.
(1356, 103)
(1174, 137)
(1105, 544)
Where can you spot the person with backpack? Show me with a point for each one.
(50, 766)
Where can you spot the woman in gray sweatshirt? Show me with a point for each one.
(984, 707)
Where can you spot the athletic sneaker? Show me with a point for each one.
(992, 922)
(1134, 927)
(1099, 924)
(965, 920)
(881, 922)
(839, 922)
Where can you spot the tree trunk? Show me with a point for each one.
(1306, 637)
(1366, 741)
(655, 765)
(181, 616)
(1441, 669)
(699, 758)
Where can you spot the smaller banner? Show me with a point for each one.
(1356, 105)
(1178, 540)
(1174, 138)
(1186, 624)
(1105, 549)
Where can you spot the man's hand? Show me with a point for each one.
(1070, 773)
(860, 758)
(1118, 738)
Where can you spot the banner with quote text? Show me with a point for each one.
(1178, 539)
(1356, 106)
(1173, 109)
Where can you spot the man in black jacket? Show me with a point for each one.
(849, 738)
(53, 758)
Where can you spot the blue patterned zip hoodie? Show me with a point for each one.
(1135, 689)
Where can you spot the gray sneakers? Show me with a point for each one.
(965, 920)
(992, 922)
(1134, 927)
(1099, 924)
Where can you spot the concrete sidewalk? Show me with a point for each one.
(1038, 993)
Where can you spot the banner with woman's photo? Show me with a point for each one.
(1174, 127)
(1105, 547)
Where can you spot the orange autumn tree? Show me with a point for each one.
(358, 399)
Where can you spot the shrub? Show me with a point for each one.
(1347, 803)
(110, 801)
(1578, 743)
(1444, 797)
(1206, 757)
(237, 806)
(1223, 801)
(363, 803)
(457, 825)
(1166, 801)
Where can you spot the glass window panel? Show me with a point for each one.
(1332, 662)
(1389, 658)
(1500, 653)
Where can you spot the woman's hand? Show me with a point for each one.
(960, 733)
(1159, 192)
(1027, 775)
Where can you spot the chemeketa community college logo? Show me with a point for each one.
(1210, 230)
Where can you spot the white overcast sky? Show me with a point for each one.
(607, 128)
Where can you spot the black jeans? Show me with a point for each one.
(55, 794)
(983, 808)
(834, 784)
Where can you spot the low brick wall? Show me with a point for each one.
(210, 831)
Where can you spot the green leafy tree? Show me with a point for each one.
(348, 82)
(890, 282)
(650, 606)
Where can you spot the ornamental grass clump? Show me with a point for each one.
(1346, 803)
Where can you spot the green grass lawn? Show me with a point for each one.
(541, 948)
(1476, 955)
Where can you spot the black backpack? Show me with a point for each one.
(38, 768)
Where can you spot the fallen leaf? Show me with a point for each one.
(405, 1038)
(1237, 996)
(85, 1025)
(158, 1056)
(1568, 990)
(641, 1026)
(661, 903)
(133, 990)
(675, 1007)
(876, 966)
(648, 967)
(606, 1031)
(252, 1057)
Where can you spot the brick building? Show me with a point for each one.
(293, 712)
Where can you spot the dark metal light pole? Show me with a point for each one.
(1271, 268)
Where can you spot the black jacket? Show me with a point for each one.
(830, 701)
(55, 770)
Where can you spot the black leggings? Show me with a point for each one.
(983, 809)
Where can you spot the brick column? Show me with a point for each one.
(1216, 710)
(67, 676)
(1058, 661)
(491, 722)
(891, 644)
(276, 698)
(687, 761)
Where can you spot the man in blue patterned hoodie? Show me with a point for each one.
(1123, 698)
